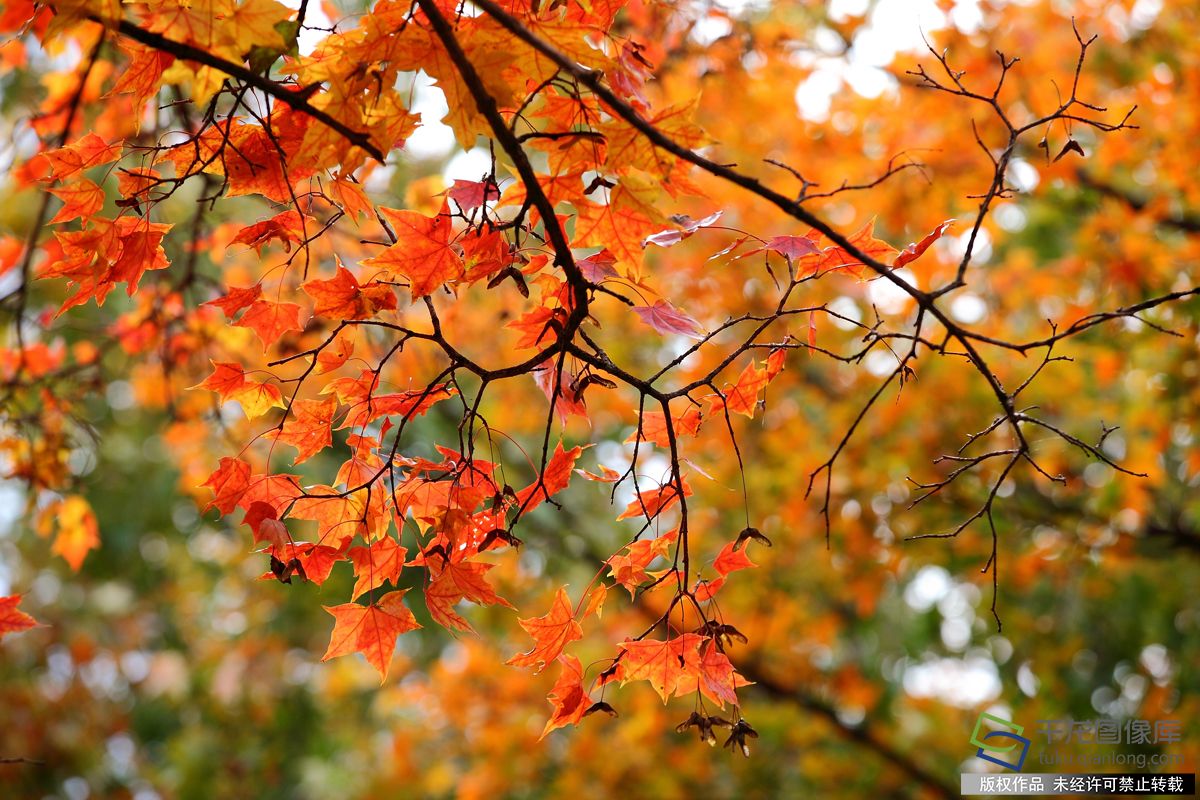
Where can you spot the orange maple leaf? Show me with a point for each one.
(629, 569)
(341, 297)
(422, 251)
(78, 531)
(460, 581)
(570, 701)
(271, 320)
(551, 633)
(864, 240)
(731, 559)
(555, 478)
(84, 153)
(236, 299)
(334, 513)
(287, 227)
(375, 563)
(308, 427)
(663, 663)
(370, 630)
(653, 502)
(714, 676)
(654, 426)
(228, 483)
(81, 199)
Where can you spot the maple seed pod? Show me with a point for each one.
(752, 534)
(600, 705)
(737, 737)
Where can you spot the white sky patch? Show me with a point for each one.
(845, 307)
(963, 682)
(982, 250)
(887, 296)
(1023, 175)
(432, 139)
(930, 585)
(470, 165)
(707, 30)
(968, 308)
(893, 26)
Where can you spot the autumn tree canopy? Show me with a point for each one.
(679, 382)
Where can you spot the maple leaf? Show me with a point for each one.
(731, 559)
(142, 76)
(271, 320)
(226, 379)
(318, 559)
(228, 483)
(255, 23)
(863, 239)
(652, 502)
(81, 198)
(551, 633)
(557, 384)
(654, 426)
(335, 354)
(916, 249)
(229, 381)
(598, 267)
(554, 479)
(607, 475)
(595, 603)
(401, 404)
(713, 676)
(13, 620)
(687, 226)
(742, 397)
(236, 299)
(139, 250)
(370, 630)
(86, 152)
(470, 195)
(308, 427)
(422, 252)
(287, 227)
(541, 325)
(341, 297)
(629, 569)
(264, 523)
(667, 319)
(570, 701)
(78, 532)
(457, 581)
(663, 663)
(375, 563)
(334, 512)
(277, 490)
(794, 247)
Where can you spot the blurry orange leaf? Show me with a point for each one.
(78, 531)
